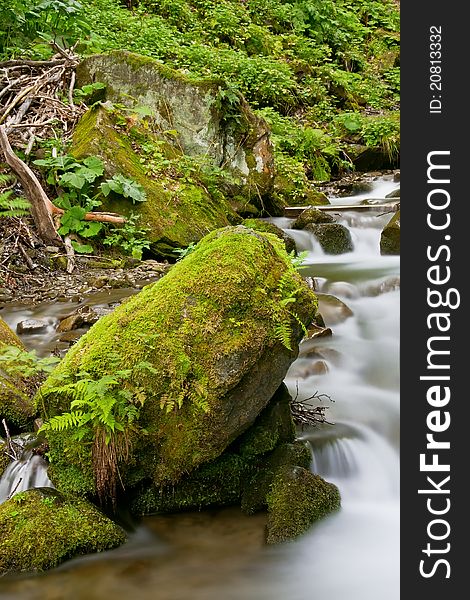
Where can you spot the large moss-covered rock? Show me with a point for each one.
(16, 406)
(390, 236)
(297, 499)
(177, 212)
(219, 332)
(334, 238)
(42, 528)
(209, 120)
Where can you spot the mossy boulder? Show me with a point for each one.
(222, 481)
(297, 499)
(42, 528)
(176, 212)
(334, 238)
(390, 236)
(16, 406)
(262, 225)
(207, 124)
(371, 158)
(311, 215)
(219, 336)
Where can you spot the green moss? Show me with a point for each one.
(16, 406)
(390, 236)
(256, 489)
(261, 225)
(177, 212)
(208, 328)
(42, 528)
(8, 337)
(297, 500)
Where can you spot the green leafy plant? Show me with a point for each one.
(129, 237)
(17, 362)
(79, 192)
(11, 205)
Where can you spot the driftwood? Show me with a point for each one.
(41, 207)
(295, 211)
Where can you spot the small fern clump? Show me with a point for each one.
(11, 205)
(105, 410)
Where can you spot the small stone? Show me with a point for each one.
(52, 249)
(31, 326)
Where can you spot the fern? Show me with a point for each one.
(12, 206)
(283, 332)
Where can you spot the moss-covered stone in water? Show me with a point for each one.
(256, 490)
(42, 528)
(334, 238)
(311, 215)
(297, 499)
(261, 225)
(209, 329)
(222, 481)
(16, 406)
(390, 236)
(176, 212)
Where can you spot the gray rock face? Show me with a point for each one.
(194, 109)
(31, 326)
(390, 237)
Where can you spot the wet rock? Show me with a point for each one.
(316, 331)
(333, 309)
(342, 288)
(42, 528)
(297, 499)
(389, 285)
(31, 326)
(390, 237)
(311, 215)
(334, 238)
(394, 194)
(319, 367)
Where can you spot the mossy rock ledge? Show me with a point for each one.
(16, 406)
(214, 331)
(42, 528)
(390, 236)
(334, 238)
(175, 213)
(229, 134)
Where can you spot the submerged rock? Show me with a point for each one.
(390, 236)
(206, 347)
(42, 528)
(297, 499)
(332, 309)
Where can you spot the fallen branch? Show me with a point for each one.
(41, 206)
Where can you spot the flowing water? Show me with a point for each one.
(353, 554)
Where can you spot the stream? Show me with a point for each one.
(220, 554)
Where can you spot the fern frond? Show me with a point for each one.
(13, 206)
(282, 332)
